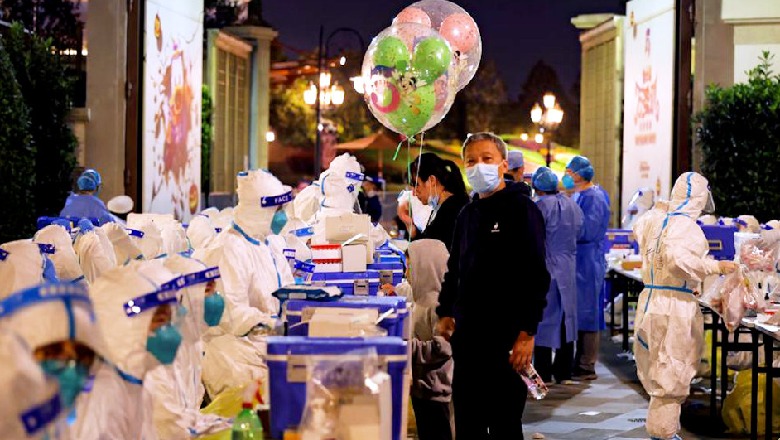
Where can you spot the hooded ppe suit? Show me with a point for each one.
(151, 243)
(126, 248)
(201, 232)
(558, 329)
(174, 238)
(64, 258)
(748, 223)
(176, 389)
(31, 406)
(118, 407)
(250, 274)
(95, 252)
(669, 325)
(21, 265)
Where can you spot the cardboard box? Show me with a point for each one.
(350, 229)
(354, 257)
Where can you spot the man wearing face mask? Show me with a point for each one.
(591, 265)
(493, 295)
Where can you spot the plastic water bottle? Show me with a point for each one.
(535, 384)
(247, 425)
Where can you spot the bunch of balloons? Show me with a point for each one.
(413, 69)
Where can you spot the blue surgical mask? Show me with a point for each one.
(163, 343)
(214, 306)
(483, 178)
(568, 182)
(71, 376)
(279, 221)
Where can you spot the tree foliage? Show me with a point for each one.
(542, 79)
(46, 89)
(206, 139)
(740, 138)
(17, 167)
(293, 120)
(484, 95)
(55, 19)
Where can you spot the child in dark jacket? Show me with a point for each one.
(432, 364)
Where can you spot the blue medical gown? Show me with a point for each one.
(563, 221)
(591, 265)
(84, 205)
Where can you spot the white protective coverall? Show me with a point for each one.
(95, 252)
(339, 188)
(65, 261)
(201, 232)
(748, 223)
(250, 273)
(25, 389)
(174, 238)
(21, 266)
(669, 325)
(126, 248)
(176, 389)
(151, 243)
(118, 407)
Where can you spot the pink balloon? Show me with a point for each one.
(413, 15)
(461, 31)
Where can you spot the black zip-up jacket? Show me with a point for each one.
(497, 280)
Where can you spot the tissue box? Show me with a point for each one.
(354, 257)
(287, 368)
(392, 308)
(351, 283)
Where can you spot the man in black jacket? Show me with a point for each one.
(493, 295)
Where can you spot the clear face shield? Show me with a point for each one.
(709, 208)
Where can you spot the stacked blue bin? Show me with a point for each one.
(289, 356)
(392, 308)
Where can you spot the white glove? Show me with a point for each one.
(769, 238)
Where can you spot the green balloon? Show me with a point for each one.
(415, 111)
(432, 57)
(390, 51)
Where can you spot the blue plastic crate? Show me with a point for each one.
(287, 361)
(397, 269)
(395, 322)
(350, 283)
(619, 239)
(721, 241)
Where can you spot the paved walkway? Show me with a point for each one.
(612, 407)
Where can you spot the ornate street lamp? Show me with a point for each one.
(547, 119)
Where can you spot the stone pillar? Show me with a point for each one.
(106, 74)
(259, 108)
(714, 62)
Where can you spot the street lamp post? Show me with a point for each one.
(547, 119)
(336, 95)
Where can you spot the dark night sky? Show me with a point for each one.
(516, 33)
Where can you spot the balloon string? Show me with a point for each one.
(398, 148)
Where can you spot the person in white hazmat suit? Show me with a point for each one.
(66, 263)
(94, 249)
(64, 349)
(151, 243)
(136, 306)
(201, 232)
(669, 325)
(23, 264)
(641, 202)
(177, 390)
(125, 242)
(250, 273)
(31, 407)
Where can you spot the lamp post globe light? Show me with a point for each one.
(547, 119)
(325, 93)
